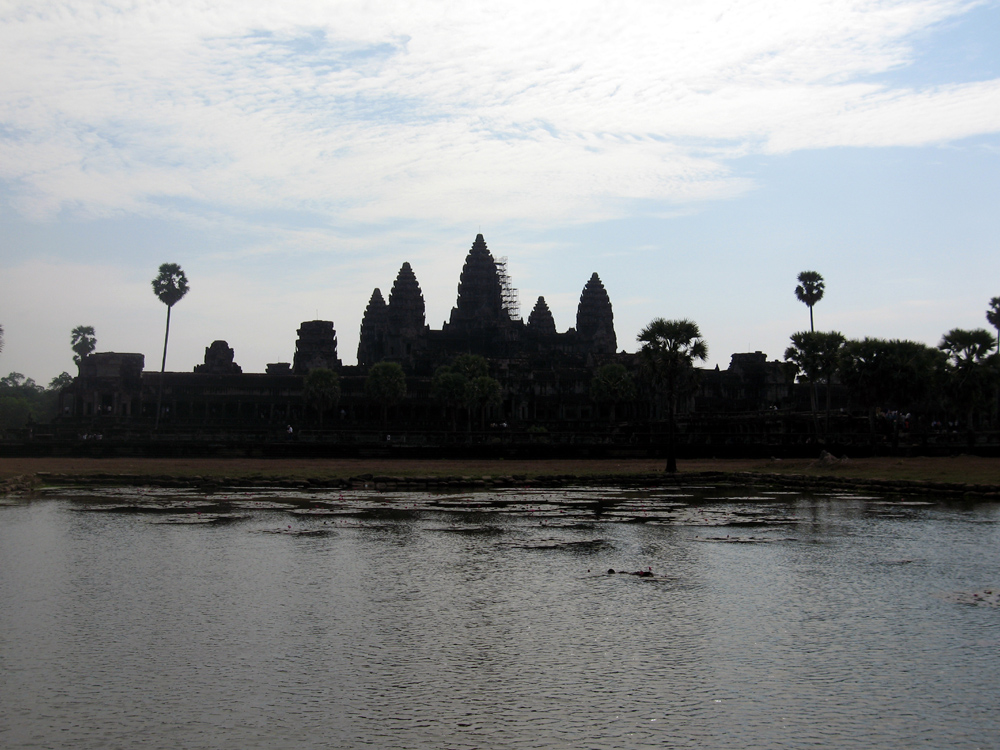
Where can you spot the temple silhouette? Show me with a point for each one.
(545, 377)
(484, 321)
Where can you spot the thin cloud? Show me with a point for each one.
(436, 112)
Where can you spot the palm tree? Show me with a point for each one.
(993, 316)
(968, 353)
(817, 355)
(83, 342)
(830, 345)
(169, 286)
(669, 348)
(804, 357)
(810, 291)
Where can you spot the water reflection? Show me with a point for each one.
(489, 621)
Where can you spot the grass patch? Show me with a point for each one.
(954, 470)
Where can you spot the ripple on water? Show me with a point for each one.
(410, 625)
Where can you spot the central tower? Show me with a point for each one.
(480, 298)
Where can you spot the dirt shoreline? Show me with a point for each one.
(955, 476)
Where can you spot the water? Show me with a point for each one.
(835, 621)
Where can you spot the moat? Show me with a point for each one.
(283, 619)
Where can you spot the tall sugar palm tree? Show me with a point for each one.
(830, 345)
(169, 286)
(804, 356)
(83, 341)
(968, 355)
(810, 291)
(993, 316)
(669, 349)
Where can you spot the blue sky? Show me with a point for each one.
(696, 155)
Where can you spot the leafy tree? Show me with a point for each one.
(470, 366)
(968, 356)
(612, 384)
(60, 381)
(669, 349)
(448, 387)
(321, 390)
(804, 357)
(993, 316)
(83, 342)
(895, 374)
(481, 393)
(170, 285)
(385, 385)
(15, 380)
(810, 291)
(451, 383)
(15, 411)
(1, 338)
(830, 345)
(816, 354)
(23, 401)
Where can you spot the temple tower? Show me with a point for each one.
(541, 320)
(406, 304)
(595, 321)
(480, 298)
(374, 326)
(219, 360)
(316, 347)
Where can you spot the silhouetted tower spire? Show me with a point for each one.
(406, 303)
(595, 321)
(315, 347)
(541, 320)
(480, 299)
(374, 324)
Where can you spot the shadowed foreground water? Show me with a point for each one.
(411, 621)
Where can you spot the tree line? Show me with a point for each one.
(464, 385)
(901, 378)
(959, 377)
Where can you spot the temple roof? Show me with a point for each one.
(376, 305)
(595, 319)
(480, 302)
(315, 347)
(541, 320)
(406, 302)
(373, 327)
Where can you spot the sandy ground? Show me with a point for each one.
(958, 469)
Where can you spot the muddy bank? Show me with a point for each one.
(395, 482)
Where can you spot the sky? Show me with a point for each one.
(698, 155)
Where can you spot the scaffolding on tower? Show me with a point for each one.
(511, 300)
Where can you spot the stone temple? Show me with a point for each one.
(546, 376)
(481, 322)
